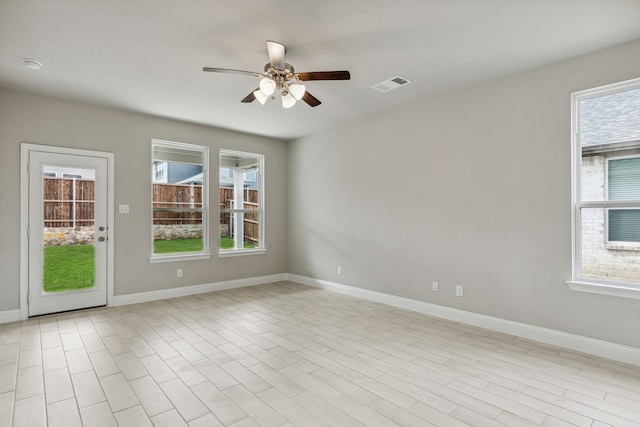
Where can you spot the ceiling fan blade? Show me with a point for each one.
(311, 100)
(324, 75)
(229, 71)
(277, 52)
(251, 97)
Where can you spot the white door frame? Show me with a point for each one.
(24, 216)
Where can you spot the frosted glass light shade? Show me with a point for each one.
(297, 90)
(288, 101)
(267, 86)
(260, 96)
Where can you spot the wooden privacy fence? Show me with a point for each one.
(68, 202)
(167, 197)
(251, 221)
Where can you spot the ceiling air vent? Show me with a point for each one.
(391, 84)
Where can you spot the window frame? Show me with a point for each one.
(184, 256)
(260, 175)
(578, 282)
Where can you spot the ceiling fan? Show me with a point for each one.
(280, 76)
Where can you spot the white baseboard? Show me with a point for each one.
(8, 316)
(195, 289)
(596, 347)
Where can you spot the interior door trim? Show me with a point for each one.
(25, 148)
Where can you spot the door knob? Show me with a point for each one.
(101, 239)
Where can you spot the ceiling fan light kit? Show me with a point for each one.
(260, 96)
(288, 100)
(290, 92)
(267, 86)
(280, 76)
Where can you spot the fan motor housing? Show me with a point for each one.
(288, 69)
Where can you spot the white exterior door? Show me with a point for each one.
(67, 231)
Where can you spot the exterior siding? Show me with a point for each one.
(179, 171)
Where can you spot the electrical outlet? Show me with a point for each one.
(434, 286)
(339, 269)
(179, 272)
(459, 291)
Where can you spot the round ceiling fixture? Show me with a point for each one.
(32, 64)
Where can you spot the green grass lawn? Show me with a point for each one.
(68, 268)
(228, 243)
(190, 245)
(177, 246)
(73, 267)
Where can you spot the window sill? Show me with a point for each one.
(615, 290)
(178, 257)
(622, 246)
(229, 254)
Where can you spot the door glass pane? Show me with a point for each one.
(69, 221)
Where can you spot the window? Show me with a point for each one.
(160, 168)
(606, 190)
(241, 203)
(72, 175)
(179, 201)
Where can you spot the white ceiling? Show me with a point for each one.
(147, 55)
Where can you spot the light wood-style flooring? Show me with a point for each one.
(289, 355)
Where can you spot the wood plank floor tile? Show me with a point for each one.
(255, 407)
(58, 386)
(168, 419)
(7, 400)
(87, 389)
(118, 391)
(30, 382)
(183, 399)
(221, 405)
(63, 413)
(150, 396)
(133, 417)
(30, 412)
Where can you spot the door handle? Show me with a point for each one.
(101, 228)
(101, 239)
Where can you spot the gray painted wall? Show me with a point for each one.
(49, 121)
(480, 196)
(484, 203)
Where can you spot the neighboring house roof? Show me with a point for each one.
(613, 118)
(195, 179)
